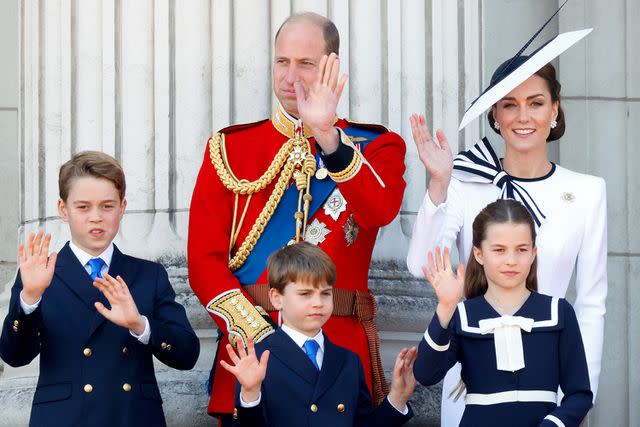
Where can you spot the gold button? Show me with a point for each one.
(235, 413)
(163, 346)
(168, 347)
(88, 388)
(314, 407)
(126, 387)
(125, 351)
(340, 407)
(15, 329)
(87, 352)
(16, 323)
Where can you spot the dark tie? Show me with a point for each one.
(311, 348)
(96, 267)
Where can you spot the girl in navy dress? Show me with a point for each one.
(516, 346)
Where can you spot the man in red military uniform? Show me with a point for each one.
(303, 174)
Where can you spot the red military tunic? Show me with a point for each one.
(250, 149)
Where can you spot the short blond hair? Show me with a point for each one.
(91, 163)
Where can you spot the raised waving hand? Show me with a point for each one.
(436, 157)
(36, 266)
(248, 370)
(448, 286)
(317, 103)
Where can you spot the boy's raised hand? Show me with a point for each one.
(247, 369)
(36, 266)
(403, 382)
(449, 288)
(124, 311)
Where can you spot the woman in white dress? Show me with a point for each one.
(569, 208)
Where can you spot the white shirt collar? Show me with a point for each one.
(299, 338)
(84, 257)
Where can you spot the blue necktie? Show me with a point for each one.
(311, 348)
(96, 267)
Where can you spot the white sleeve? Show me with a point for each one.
(29, 308)
(435, 225)
(250, 404)
(591, 282)
(146, 334)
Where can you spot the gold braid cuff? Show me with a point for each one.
(350, 171)
(242, 318)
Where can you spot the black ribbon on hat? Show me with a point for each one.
(481, 164)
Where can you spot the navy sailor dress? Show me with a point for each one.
(512, 365)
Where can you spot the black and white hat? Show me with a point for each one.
(519, 68)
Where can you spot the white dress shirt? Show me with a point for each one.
(84, 258)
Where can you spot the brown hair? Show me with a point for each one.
(498, 212)
(548, 73)
(94, 164)
(329, 30)
(300, 262)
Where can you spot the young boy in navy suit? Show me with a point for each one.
(94, 315)
(296, 376)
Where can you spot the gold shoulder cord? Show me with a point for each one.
(294, 159)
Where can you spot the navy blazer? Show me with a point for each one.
(295, 393)
(92, 372)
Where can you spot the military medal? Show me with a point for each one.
(351, 229)
(316, 232)
(335, 205)
(322, 173)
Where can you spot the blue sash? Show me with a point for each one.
(282, 227)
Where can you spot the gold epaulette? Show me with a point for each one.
(242, 318)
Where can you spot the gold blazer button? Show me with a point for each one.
(340, 407)
(314, 407)
(88, 388)
(126, 387)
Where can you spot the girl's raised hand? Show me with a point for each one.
(448, 286)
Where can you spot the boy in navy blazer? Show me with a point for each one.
(94, 315)
(296, 376)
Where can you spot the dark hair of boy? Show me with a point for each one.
(300, 262)
(498, 212)
(94, 164)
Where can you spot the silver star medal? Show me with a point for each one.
(335, 205)
(316, 232)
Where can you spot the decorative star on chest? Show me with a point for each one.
(297, 155)
(335, 204)
(316, 232)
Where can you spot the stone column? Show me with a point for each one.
(148, 81)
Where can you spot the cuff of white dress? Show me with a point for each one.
(146, 334)
(28, 308)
